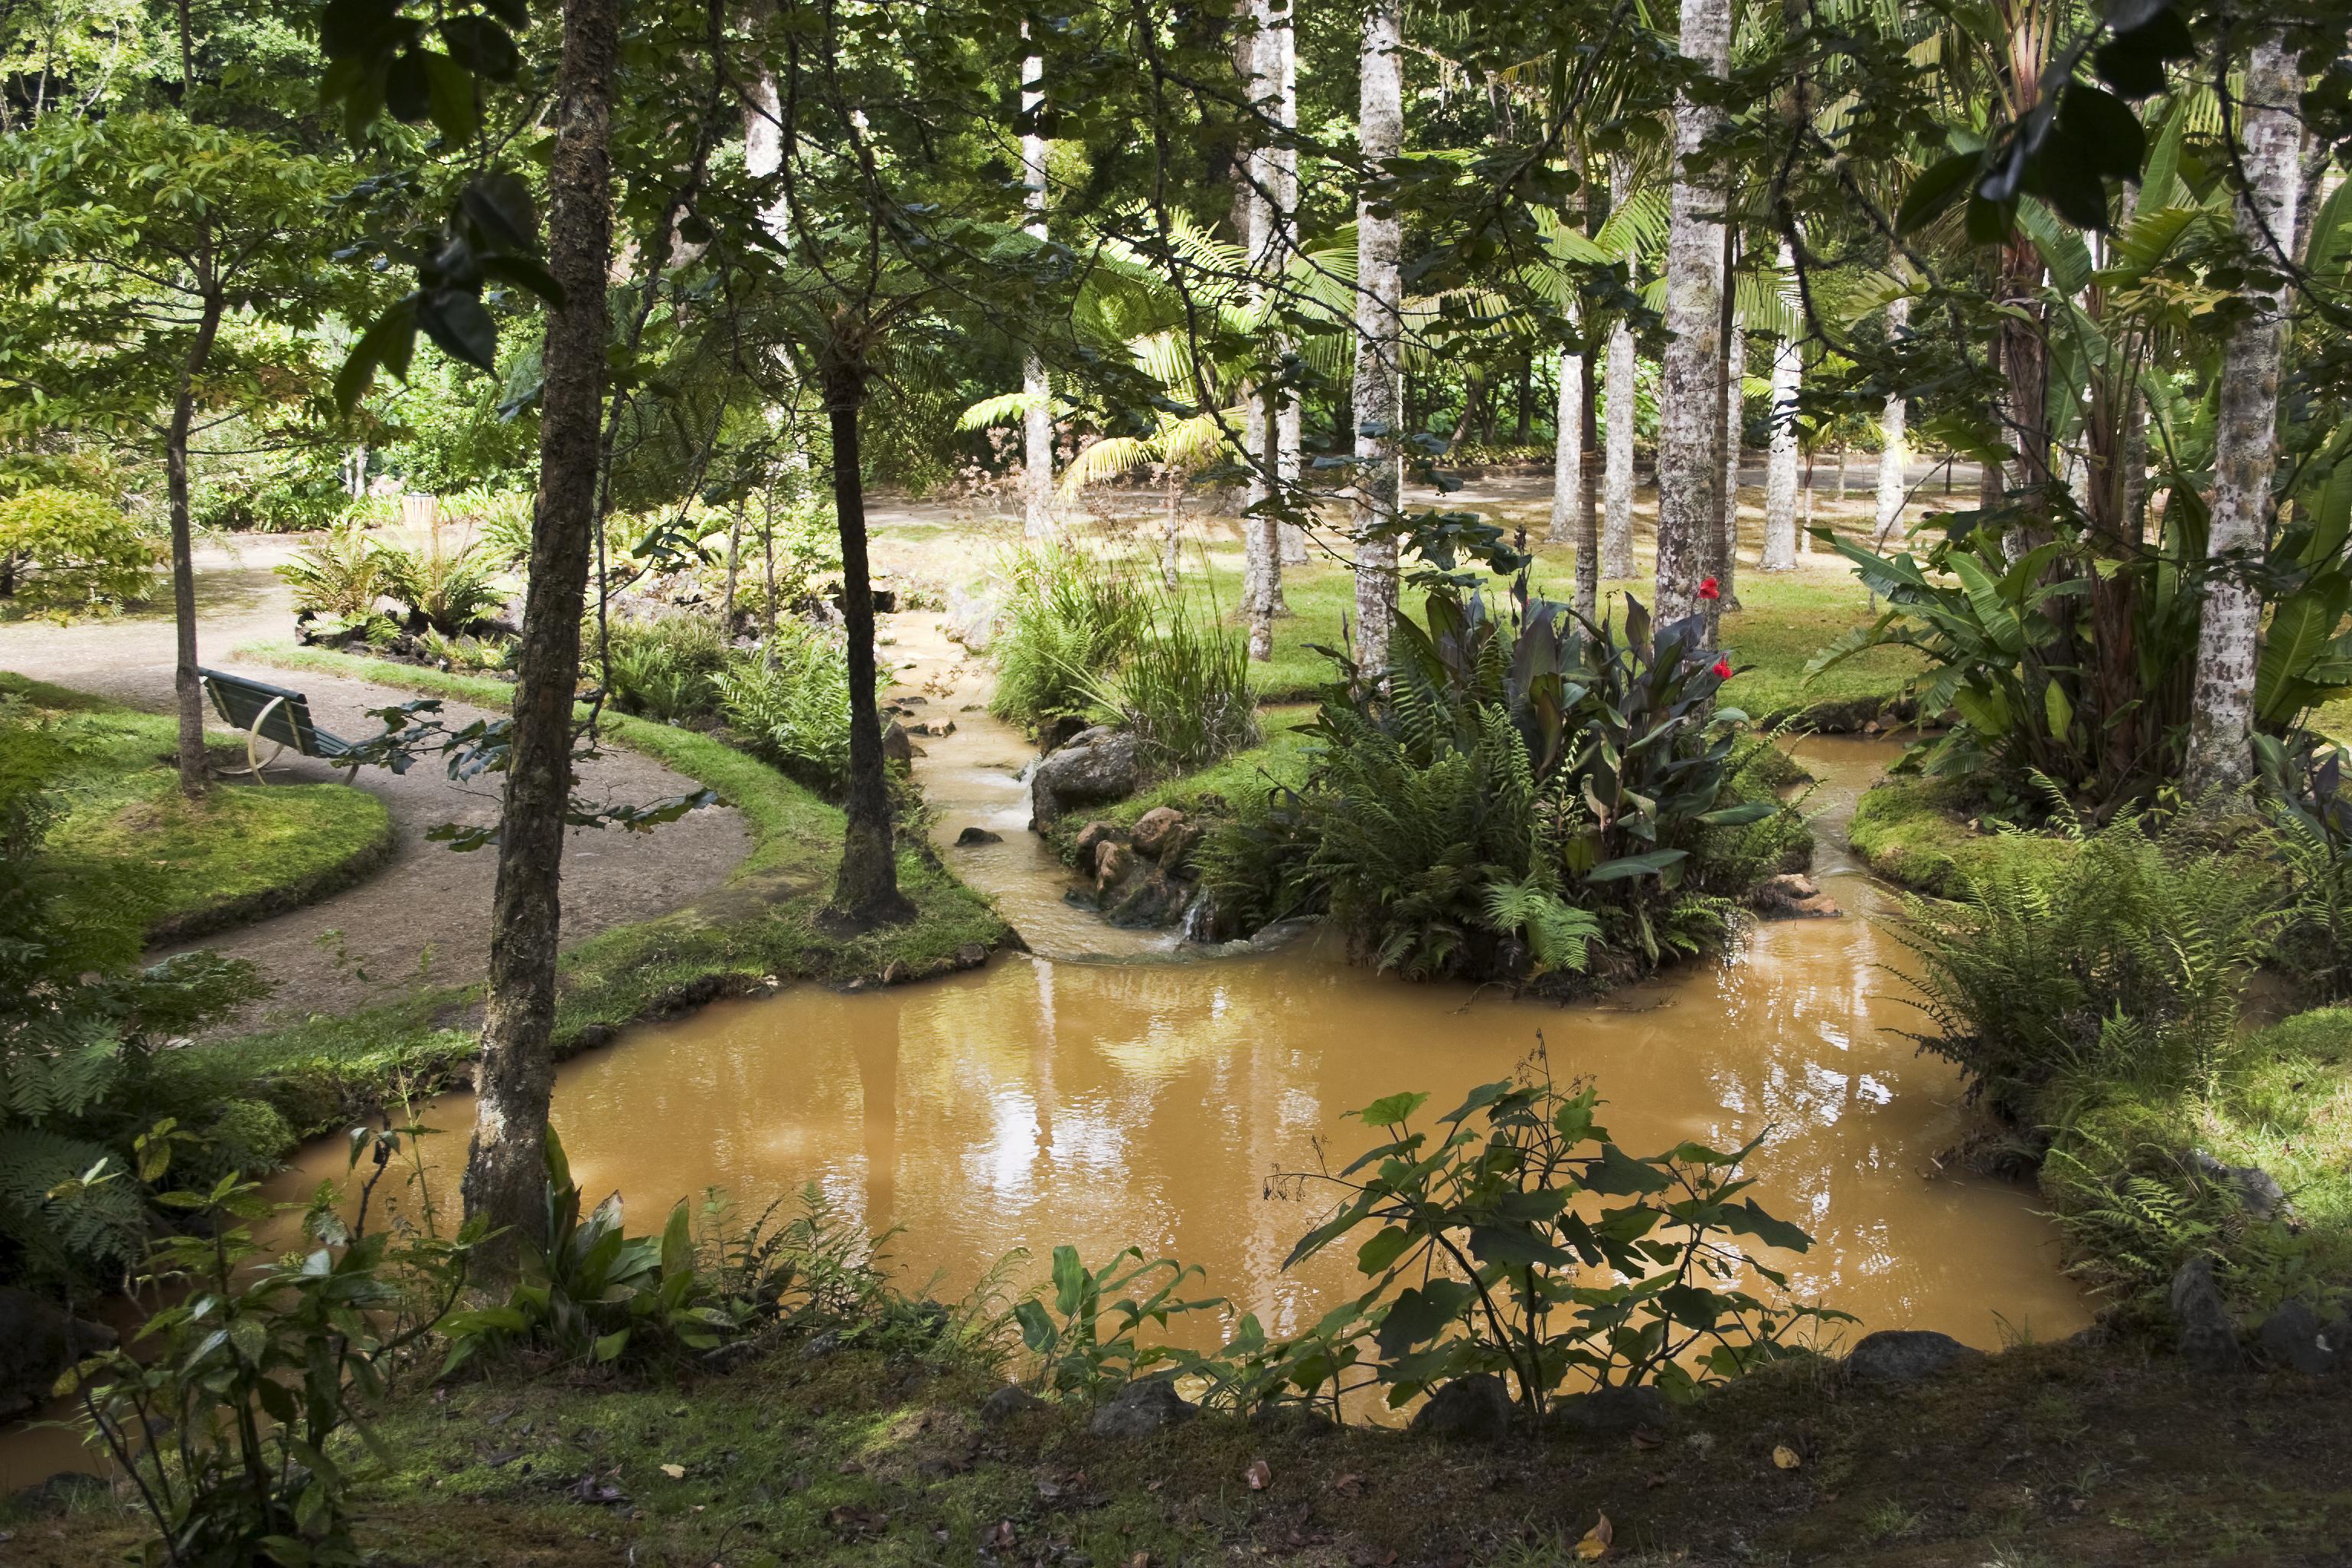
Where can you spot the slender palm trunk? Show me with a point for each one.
(1380, 335)
(1037, 417)
(1567, 450)
(1894, 454)
(1734, 374)
(1781, 462)
(1171, 530)
(1690, 476)
(1617, 522)
(505, 1167)
(2245, 432)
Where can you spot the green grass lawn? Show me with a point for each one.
(127, 846)
(1906, 830)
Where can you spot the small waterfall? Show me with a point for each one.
(1199, 919)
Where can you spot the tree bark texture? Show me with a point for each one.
(1037, 419)
(865, 892)
(1893, 452)
(1588, 504)
(505, 1179)
(187, 686)
(1378, 385)
(1735, 374)
(1617, 522)
(1567, 450)
(1690, 412)
(1780, 460)
(2245, 446)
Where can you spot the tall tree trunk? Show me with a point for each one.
(1037, 419)
(1735, 373)
(1617, 526)
(1171, 529)
(1894, 455)
(187, 686)
(1567, 450)
(505, 1167)
(1781, 462)
(865, 892)
(1280, 62)
(1380, 337)
(1690, 478)
(2245, 431)
(1588, 506)
(1261, 552)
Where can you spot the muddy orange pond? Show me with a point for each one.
(1143, 1103)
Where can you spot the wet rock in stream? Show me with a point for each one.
(1097, 766)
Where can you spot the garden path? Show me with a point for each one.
(428, 913)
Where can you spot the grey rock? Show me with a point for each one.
(1148, 901)
(38, 1340)
(62, 1493)
(2294, 1337)
(970, 955)
(1007, 1402)
(1906, 1355)
(975, 619)
(971, 835)
(1475, 1408)
(897, 747)
(1142, 1408)
(1093, 835)
(2208, 1338)
(1608, 1411)
(1152, 828)
(1113, 861)
(2257, 1190)
(1097, 766)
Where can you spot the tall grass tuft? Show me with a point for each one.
(1072, 616)
(1183, 688)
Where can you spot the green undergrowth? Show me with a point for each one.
(1784, 621)
(2042, 1455)
(763, 927)
(1910, 831)
(128, 847)
(2123, 1172)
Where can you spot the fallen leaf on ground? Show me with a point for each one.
(674, 1472)
(1596, 1541)
(1140, 1560)
(1351, 1483)
(1260, 1475)
(1645, 1439)
(1785, 1457)
(998, 1537)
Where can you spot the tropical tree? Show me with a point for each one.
(1379, 387)
(1690, 478)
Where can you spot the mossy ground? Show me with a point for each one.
(762, 926)
(129, 847)
(1910, 831)
(2054, 1457)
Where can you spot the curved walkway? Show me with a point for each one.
(428, 913)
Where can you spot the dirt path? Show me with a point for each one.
(428, 913)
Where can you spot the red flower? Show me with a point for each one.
(1709, 590)
(1723, 670)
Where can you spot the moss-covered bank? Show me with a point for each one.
(127, 848)
(2053, 1455)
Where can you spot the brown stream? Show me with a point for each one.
(1111, 1090)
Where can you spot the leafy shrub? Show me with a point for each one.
(68, 550)
(1512, 1238)
(449, 590)
(226, 1423)
(2311, 834)
(666, 669)
(1182, 688)
(483, 654)
(81, 1144)
(342, 576)
(1514, 791)
(502, 521)
(2123, 962)
(595, 1292)
(790, 703)
(1070, 618)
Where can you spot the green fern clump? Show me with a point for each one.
(790, 703)
(2124, 961)
(666, 669)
